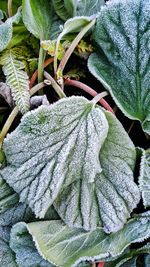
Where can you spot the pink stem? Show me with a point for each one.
(90, 91)
(101, 264)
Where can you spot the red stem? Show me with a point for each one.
(101, 264)
(35, 74)
(90, 91)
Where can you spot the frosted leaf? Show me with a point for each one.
(67, 155)
(38, 100)
(11, 211)
(122, 62)
(7, 256)
(64, 246)
(144, 179)
(6, 30)
(24, 248)
(5, 92)
(113, 194)
(57, 145)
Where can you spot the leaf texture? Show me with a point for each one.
(71, 152)
(121, 62)
(144, 179)
(89, 7)
(17, 79)
(64, 246)
(113, 195)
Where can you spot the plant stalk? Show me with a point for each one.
(88, 90)
(56, 87)
(42, 54)
(10, 8)
(7, 124)
(35, 74)
(73, 46)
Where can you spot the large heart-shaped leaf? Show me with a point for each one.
(144, 179)
(57, 158)
(38, 17)
(64, 246)
(122, 60)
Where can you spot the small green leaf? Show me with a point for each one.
(144, 179)
(76, 154)
(121, 63)
(68, 247)
(6, 30)
(38, 17)
(65, 9)
(7, 256)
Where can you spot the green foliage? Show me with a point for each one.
(16, 78)
(121, 62)
(64, 246)
(6, 30)
(38, 17)
(71, 162)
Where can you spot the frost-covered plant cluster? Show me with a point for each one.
(74, 182)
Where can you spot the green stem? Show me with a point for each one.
(8, 123)
(54, 84)
(73, 46)
(10, 8)
(42, 54)
(15, 111)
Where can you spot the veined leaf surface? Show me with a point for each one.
(74, 147)
(122, 61)
(17, 79)
(64, 246)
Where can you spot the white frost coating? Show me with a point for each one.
(144, 180)
(54, 146)
(64, 246)
(122, 33)
(109, 200)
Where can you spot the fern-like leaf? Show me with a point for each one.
(17, 79)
